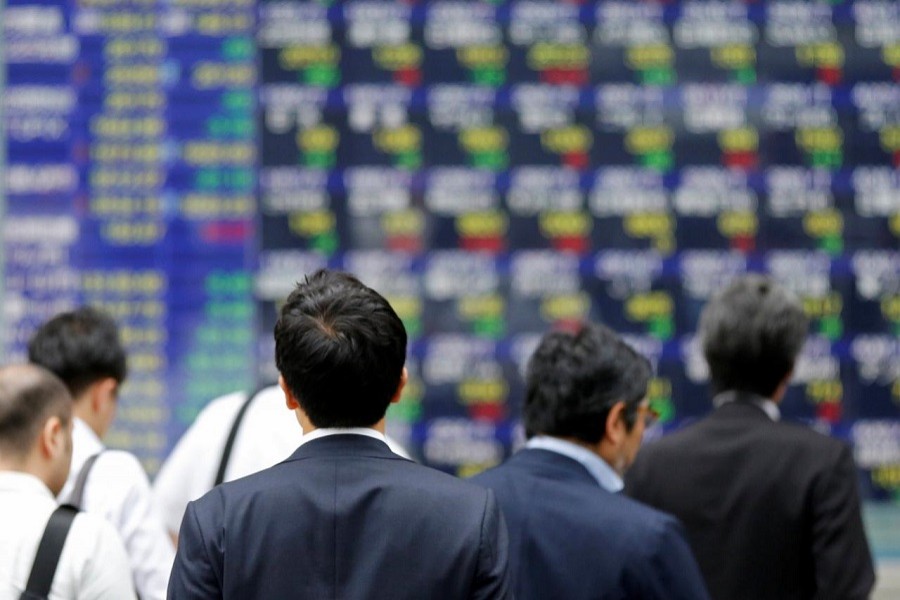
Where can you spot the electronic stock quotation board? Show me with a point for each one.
(495, 168)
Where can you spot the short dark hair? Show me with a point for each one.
(752, 332)
(80, 347)
(341, 349)
(574, 378)
(29, 395)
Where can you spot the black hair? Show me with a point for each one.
(575, 378)
(29, 395)
(80, 347)
(752, 332)
(341, 349)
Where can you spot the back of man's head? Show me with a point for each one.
(80, 347)
(574, 379)
(752, 332)
(29, 396)
(340, 348)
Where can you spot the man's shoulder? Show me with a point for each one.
(120, 463)
(641, 522)
(593, 505)
(393, 472)
(784, 432)
(221, 408)
(686, 435)
(668, 458)
(90, 531)
(439, 478)
(803, 434)
(225, 407)
(492, 476)
(805, 443)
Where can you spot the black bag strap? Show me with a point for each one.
(49, 549)
(232, 434)
(76, 498)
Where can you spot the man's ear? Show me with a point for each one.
(289, 398)
(404, 377)
(52, 438)
(779, 392)
(615, 423)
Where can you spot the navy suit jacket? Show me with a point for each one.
(570, 539)
(343, 517)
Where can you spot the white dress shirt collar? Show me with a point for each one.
(327, 431)
(596, 466)
(765, 404)
(19, 481)
(88, 441)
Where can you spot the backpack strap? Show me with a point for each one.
(232, 435)
(49, 550)
(76, 498)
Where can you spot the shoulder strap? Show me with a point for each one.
(232, 434)
(47, 558)
(76, 498)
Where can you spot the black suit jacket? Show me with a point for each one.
(771, 509)
(570, 539)
(344, 518)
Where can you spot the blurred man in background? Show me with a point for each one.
(83, 349)
(771, 509)
(342, 517)
(572, 535)
(35, 453)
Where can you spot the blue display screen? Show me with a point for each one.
(495, 168)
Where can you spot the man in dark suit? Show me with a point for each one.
(572, 536)
(771, 509)
(343, 517)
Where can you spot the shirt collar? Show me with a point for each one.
(765, 404)
(19, 481)
(88, 440)
(327, 431)
(596, 466)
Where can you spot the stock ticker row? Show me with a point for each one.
(494, 167)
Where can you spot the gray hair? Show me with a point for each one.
(752, 332)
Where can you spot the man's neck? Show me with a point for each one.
(600, 467)
(28, 466)
(308, 426)
(602, 449)
(82, 410)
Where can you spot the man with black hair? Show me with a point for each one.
(771, 509)
(83, 349)
(572, 535)
(35, 452)
(343, 517)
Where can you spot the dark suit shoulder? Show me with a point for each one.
(782, 434)
(639, 516)
(580, 499)
(705, 452)
(798, 434)
(440, 484)
(392, 472)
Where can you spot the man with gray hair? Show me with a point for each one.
(35, 453)
(771, 509)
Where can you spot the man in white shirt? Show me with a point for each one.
(35, 452)
(82, 348)
(263, 438)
